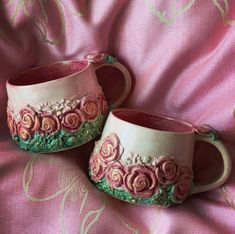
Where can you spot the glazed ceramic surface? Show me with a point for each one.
(147, 159)
(59, 106)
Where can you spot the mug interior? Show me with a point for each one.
(47, 73)
(156, 122)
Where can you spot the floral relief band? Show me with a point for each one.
(164, 182)
(50, 128)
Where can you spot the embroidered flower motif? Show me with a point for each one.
(30, 119)
(115, 175)
(50, 124)
(96, 58)
(90, 107)
(103, 105)
(23, 132)
(72, 121)
(141, 181)
(11, 124)
(110, 150)
(183, 185)
(167, 170)
(96, 169)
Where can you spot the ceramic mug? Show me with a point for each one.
(61, 105)
(147, 159)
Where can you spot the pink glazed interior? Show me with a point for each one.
(156, 122)
(47, 73)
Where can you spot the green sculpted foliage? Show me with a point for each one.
(164, 197)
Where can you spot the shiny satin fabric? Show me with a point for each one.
(181, 54)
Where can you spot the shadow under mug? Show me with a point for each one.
(61, 105)
(147, 159)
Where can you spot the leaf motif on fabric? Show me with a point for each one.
(227, 196)
(71, 187)
(170, 15)
(126, 224)
(84, 190)
(224, 8)
(78, 189)
(42, 20)
(83, 11)
(65, 176)
(90, 219)
(27, 178)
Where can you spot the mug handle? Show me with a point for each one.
(226, 161)
(101, 60)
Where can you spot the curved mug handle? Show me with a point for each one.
(100, 60)
(226, 161)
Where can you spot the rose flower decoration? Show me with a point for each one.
(29, 123)
(23, 132)
(96, 169)
(167, 170)
(30, 119)
(141, 181)
(72, 121)
(115, 175)
(50, 124)
(89, 106)
(11, 124)
(183, 185)
(110, 150)
(103, 104)
(96, 58)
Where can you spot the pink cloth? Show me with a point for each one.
(181, 54)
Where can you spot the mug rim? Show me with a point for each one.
(179, 121)
(61, 62)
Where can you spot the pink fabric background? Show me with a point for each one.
(181, 54)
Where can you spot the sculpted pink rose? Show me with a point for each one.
(183, 186)
(96, 58)
(72, 121)
(30, 118)
(90, 107)
(96, 169)
(23, 132)
(110, 150)
(167, 170)
(50, 124)
(141, 181)
(115, 175)
(11, 124)
(103, 105)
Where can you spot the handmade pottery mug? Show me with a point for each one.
(61, 105)
(147, 159)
